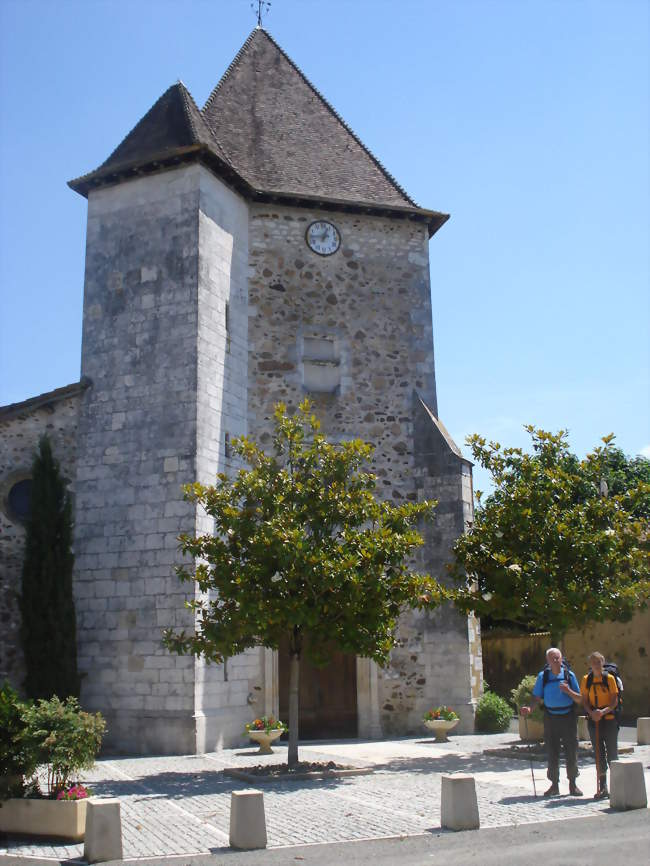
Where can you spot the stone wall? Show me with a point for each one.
(365, 313)
(21, 426)
(222, 691)
(200, 313)
(136, 447)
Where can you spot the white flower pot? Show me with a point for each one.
(56, 819)
(441, 728)
(265, 740)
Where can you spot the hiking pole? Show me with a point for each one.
(597, 759)
(530, 755)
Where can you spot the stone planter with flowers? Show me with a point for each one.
(440, 720)
(46, 743)
(264, 731)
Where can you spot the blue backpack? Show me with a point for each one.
(566, 668)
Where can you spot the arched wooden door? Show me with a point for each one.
(328, 696)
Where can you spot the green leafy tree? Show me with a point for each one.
(622, 473)
(551, 548)
(47, 605)
(302, 551)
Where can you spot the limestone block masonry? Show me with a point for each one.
(164, 255)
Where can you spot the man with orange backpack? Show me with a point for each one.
(600, 697)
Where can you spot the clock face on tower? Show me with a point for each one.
(323, 238)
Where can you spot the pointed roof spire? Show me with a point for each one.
(283, 136)
(269, 133)
(173, 126)
(173, 121)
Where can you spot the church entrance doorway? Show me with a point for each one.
(328, 696)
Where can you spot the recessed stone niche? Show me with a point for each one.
(321, 365)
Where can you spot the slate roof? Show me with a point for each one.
(172, 130)
(283, 136)
(268, 132)
(171, 123)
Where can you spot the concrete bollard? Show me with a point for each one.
(627, 785)
(247, 821)
(583, 728)
(643, 731)
(459, 807)
(103, 838)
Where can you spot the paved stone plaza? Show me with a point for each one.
(181, 805)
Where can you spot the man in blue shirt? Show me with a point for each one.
(558, 688)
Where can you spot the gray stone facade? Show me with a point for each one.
(164, 257)
(201, 312)
(203, 307)
(372, 300)
(21, 426)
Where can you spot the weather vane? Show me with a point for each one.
(260, 7)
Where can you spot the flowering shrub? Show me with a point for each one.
(445, 713)
(75, 792)
(266, 724)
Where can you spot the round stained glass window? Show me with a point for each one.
(19, 499)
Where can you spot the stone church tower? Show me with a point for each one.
(250, 252)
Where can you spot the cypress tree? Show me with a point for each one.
(47, 605)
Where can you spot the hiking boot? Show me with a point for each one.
(553, 791)
(602, 794)
(574, 790)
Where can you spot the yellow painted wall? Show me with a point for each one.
(508, 658)
(627, 644)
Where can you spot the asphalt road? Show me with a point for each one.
(612, 837)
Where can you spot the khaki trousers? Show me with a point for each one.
(561, 730)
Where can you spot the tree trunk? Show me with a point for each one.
(294, 708)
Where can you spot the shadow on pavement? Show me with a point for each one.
(451, 763)
(177, 785)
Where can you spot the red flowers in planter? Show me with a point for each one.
(75, 792)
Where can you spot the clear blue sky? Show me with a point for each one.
(527, 120)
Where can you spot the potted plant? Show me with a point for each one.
(264, 731)
(530, 727)
(60, 736)
(440, 720)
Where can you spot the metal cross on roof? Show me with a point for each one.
(259, 7)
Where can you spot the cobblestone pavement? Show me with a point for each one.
(181, 805)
